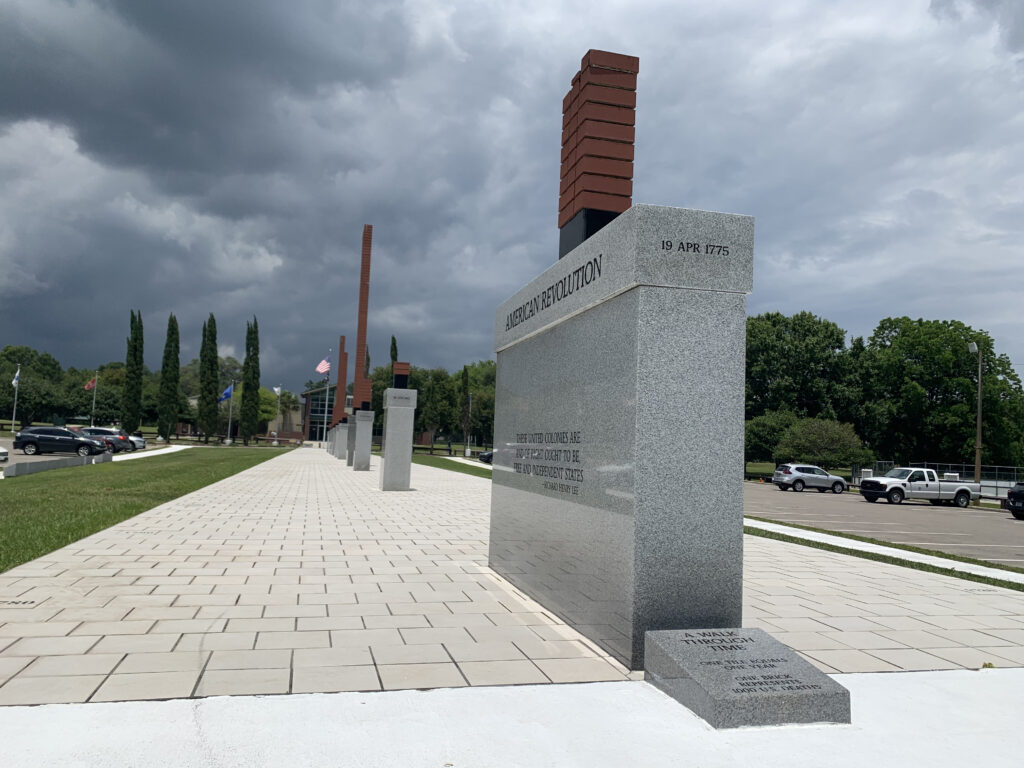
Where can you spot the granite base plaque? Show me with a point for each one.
(364, 437)
(742, 677)
(617, 496)
(399, 413)
(350, 441)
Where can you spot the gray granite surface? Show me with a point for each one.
(646, 245)
(617, 490)
(363, 443)
(350, 441)
(31, 468)
(742, 677)
(399, 414)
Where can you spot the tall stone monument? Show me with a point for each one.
(618, 431)
(339, 414)
(399, 413)
(361, 387)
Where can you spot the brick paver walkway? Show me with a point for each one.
(299, 576)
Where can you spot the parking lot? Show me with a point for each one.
(984, 534)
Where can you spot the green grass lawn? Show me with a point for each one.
(442, 462)
(49, 510)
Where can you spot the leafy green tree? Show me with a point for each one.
(267, 408)
(829, 444)
(131, 393)
(763, 433)
(190, 378)
(482, 376)
(798, 364)
(170, 373)
(209, 390)
(249, 415)
(465, 403)
(436, 401)
(920, 390)
(381, 378)
(289, 401)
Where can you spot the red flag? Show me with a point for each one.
(90, 384)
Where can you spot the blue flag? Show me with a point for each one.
(226, 393)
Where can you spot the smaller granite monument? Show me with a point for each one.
(399, 413)
(742, 677)
(364, 435)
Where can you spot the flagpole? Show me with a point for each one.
(278, 420)
(231, 403)
(95, 386)
(327, 387)
(17, 386)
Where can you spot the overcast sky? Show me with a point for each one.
(197, 157)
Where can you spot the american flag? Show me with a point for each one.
(90, 384)
(325, 365)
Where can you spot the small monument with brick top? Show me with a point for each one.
(399, 414)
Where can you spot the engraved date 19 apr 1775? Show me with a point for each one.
(687, 247)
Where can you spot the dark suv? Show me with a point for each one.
(117, 439)
(1015, 501)
(34, 440)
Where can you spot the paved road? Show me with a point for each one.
(985, 534)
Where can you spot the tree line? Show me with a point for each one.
(906, 393)
(130, 394)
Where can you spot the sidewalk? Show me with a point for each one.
(299, 576)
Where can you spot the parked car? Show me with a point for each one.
(487, 457)
(117, 439)
(800, 476)
(34, 440)
(137, 440)
(1015, 501)
(902, 483)
(3, 454)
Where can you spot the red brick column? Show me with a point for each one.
(361, 387)
(338, 412)
(598, 130)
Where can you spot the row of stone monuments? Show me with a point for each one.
(353, 442)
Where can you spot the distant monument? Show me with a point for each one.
(362, 436)
(399, 413)
(339, 415)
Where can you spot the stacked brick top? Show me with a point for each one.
(598, 130)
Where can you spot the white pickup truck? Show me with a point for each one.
(914, 483)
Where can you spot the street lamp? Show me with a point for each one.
(974, 350)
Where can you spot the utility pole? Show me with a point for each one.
(972, 347)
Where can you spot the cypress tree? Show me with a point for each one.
(170, 375)
(249, 417)
(464, 414)
(208, 380)
(131, 392)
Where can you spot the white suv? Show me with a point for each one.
(800, 476)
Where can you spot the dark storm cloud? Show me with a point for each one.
(192, 157)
